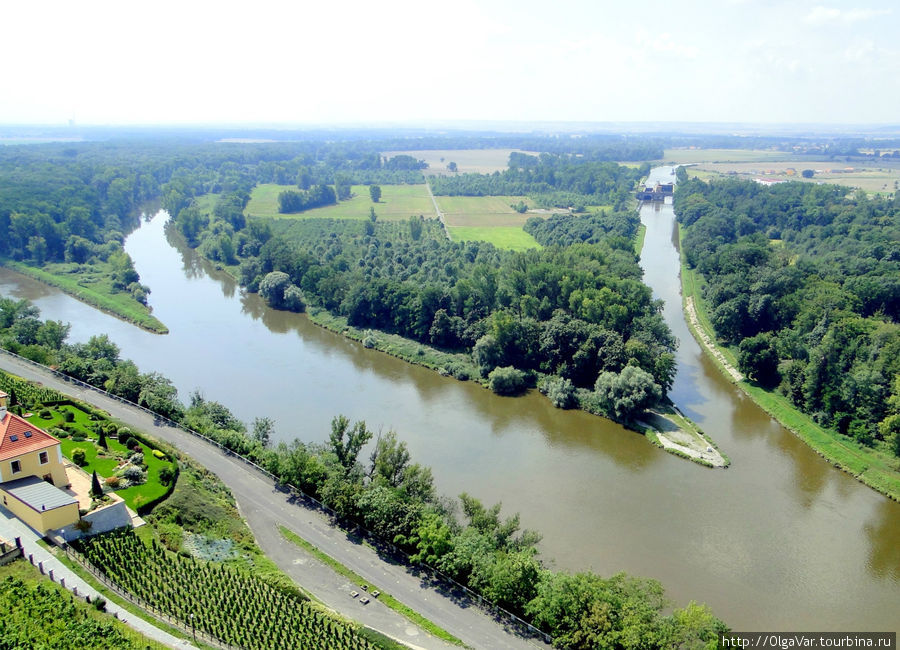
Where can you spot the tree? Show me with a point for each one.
(451, 166)
(758, 359)
(262, 430)
(375, 193)
(415, 227)
(389, 460)
(623, 395)
(96, 488)
(101, 439)
(346, 442)
(273, 287)
(807, 173)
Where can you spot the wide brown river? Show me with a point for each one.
(780, 541)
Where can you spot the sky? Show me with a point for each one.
(418, 61)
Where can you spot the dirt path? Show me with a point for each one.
(436, 208)
(698, 330)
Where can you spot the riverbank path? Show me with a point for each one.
(266, 507)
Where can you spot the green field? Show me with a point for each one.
(397, 202)
(482, 211)
(508, 237)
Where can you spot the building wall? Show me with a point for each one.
(31, 466)
(103, 519)
(44, 520)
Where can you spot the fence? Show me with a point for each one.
(495, 610)
(147, 607)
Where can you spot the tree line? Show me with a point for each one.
(804, 281)
(395, 498)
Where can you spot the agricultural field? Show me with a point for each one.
(871, 177)
(224, 602)
(38, 613)
(507, 237)
(681, 156)
(474, 161)
(398, 202)
(482, 211)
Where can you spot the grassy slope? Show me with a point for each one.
(91, 284)
(397, 202)
(873, 466)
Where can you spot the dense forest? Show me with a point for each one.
(804, 281)
(553, 181)
(395, 498)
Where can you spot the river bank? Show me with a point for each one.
(119, 304)
(865, 464)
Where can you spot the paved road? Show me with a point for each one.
(265, 508)
(11, 527)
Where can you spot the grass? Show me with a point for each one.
(92, 284)
(639, 239)
(482, 211)
(385, 598)
(400, 347)
(102, 461)
(397, 202)
(872, 466)
(508, 237)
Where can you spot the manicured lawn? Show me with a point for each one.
(508, 237)
(397, 202)
(104, 462)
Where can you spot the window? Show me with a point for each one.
(16, 466)
(43, 458)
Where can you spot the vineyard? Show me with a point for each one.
(232, 606)
(27, 392)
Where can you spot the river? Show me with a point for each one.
(779, 541)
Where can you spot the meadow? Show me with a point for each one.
(681, 156)
(482, 211)
(397, 202)
(506, 237)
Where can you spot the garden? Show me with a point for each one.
(125, 464)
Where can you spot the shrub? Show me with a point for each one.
(159, 454)
(137, 459)
(460, 371)
(68, 416)
(99, 604)
(166, 475)
(59, 433)
(45, 414)
(369, 340)
(78, 436)
(507, 380)
(134, 474)
(126, 441)
(559, 391)
(124, 432)
(113, 482)
(78, 456)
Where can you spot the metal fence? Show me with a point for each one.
(495, 610)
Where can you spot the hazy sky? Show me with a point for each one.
(318, 62)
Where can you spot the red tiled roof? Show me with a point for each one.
(14, 426)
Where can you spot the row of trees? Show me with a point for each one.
(553, 180)
(804, 280)
(395, 498)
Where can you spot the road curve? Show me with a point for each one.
(265, 507)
